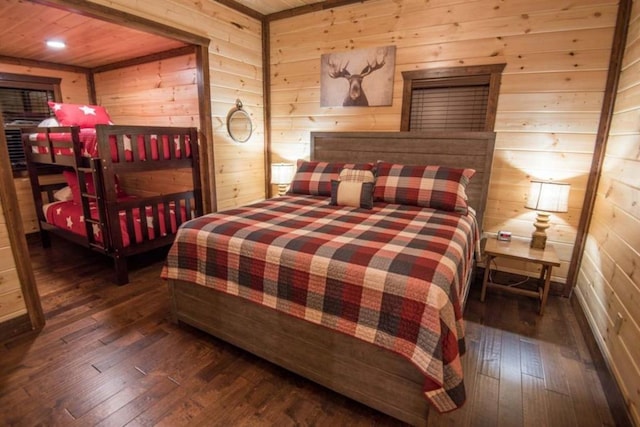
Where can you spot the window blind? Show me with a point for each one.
(457, 108)
(22, 108)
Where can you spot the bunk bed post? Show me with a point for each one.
(121, 269)
(35, 189)
(195, 172)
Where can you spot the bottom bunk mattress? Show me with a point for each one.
(392, 276)
(68, 216)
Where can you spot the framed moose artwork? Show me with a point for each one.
(359, 77)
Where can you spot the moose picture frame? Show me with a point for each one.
(358, 78)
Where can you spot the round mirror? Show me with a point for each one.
(239, 123)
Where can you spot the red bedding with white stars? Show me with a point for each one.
(68, 216)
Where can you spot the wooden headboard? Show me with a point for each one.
(472, 150)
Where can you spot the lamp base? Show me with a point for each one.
(282, 189)
(539, 237)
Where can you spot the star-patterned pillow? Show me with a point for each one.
(83, 115)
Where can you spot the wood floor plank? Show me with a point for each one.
(510, 393)
(560, 410)
(534, 411)
(152, 372)
(531, 359)
(490, 352)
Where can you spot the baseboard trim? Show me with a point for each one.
(614, 396)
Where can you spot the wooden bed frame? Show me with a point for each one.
(364, 372)
(103, 171)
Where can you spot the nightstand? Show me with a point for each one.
(520, 251)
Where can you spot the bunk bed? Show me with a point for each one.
(97, 214)
(323, 290)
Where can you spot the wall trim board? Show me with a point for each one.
(42, 64)
(15, 232)
(606, 115)
(125, 19)
(615, 398)
(205, 142)
(314, 7)
(266, 78)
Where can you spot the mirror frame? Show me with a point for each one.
(238, 113)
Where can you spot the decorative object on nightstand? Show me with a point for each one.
(281, 174)
(546, 197)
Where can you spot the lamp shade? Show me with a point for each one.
(548, 196)
(281, 173)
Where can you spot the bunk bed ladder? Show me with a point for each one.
(99, 224)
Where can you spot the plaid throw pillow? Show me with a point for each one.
(437, 187)
(357, 175)
(314, 178)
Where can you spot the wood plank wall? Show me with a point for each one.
(556, 53)
(608, 284)
(163, 93)
(235, 59)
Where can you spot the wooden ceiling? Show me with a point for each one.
(91, 43)
(25, 26)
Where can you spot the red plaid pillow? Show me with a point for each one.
(437, 187)
(85, 116)
(315, 178)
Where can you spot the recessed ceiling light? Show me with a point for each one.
(56, 44)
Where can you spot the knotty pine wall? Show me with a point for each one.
(235, 59)
(608, 282)
(163, 93)
(11, 299)
(556, 52)
(75, 90)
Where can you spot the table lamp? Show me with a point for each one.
(546, 197)
(281, 174)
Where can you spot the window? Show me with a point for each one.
(23, 102)
(451, 99)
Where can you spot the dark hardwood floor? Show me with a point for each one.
(109, 356)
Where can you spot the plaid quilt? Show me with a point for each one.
(391, 276)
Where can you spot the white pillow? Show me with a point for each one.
(46, 123)
(64, 194)
(49, 123)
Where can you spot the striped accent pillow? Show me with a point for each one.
(356, 194)
(437, 187)
(314, 178)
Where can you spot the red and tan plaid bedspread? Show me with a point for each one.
(390, 276)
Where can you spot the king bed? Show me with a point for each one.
(364, 299)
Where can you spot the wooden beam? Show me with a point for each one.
(606, 115)
(242, 9)
(315, 7)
